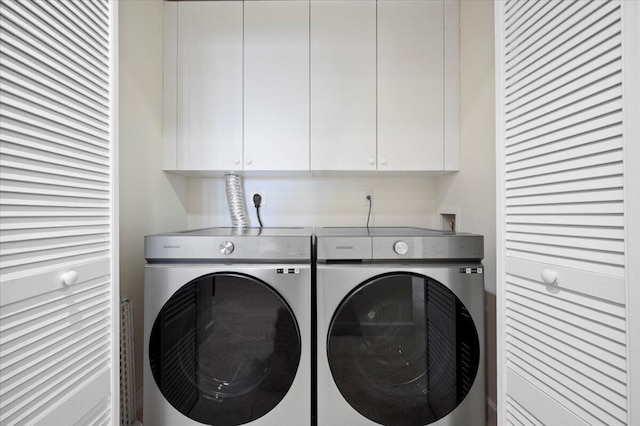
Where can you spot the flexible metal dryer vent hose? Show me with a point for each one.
(235, 197)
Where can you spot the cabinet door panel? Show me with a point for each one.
(343, 85)
(276, 85)
(58, 232)
(562, 223)
(209, 92)
(410, 85)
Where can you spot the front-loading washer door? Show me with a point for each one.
(224, 349)
(403, 349)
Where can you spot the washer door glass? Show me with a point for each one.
(224, 349)
(403, 350)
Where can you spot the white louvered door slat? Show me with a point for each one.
(561, 174)
(517, 414)
(22, 67)
(562, 36)
(29, 43)
(56, 216)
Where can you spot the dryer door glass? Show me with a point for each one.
(403, 350)
(224, 349)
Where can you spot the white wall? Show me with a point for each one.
(150, 201)
(472, 189)
(320, 201)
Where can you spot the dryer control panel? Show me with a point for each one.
(436, 247)
(230, 244)
(336, 245)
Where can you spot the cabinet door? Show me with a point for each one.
(410, 85)
(562, 303)
(58, 232)
(209, 85)
(343, 85)
(276, 85)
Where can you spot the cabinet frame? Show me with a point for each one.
(631, 112)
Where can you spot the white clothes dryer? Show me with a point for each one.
(227, 327)
(400, 318)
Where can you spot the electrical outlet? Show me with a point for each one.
(365, 200)
(262, 194)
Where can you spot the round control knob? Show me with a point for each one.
(226, 247)
(400, 247)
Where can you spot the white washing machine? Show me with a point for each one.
(227, 327)
(400, 319)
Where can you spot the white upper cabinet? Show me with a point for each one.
(206, 79)
(343, 85)
(276, 85)
(322, 85)
(410, 85)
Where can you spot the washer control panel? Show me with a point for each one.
(401, 247)
(226, 247)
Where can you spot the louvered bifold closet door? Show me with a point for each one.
(563, 297)
(56, 198)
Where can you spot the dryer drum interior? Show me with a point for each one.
(403, 349)
(224, 349)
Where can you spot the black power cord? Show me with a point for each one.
(369, 215)
(257, 200)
